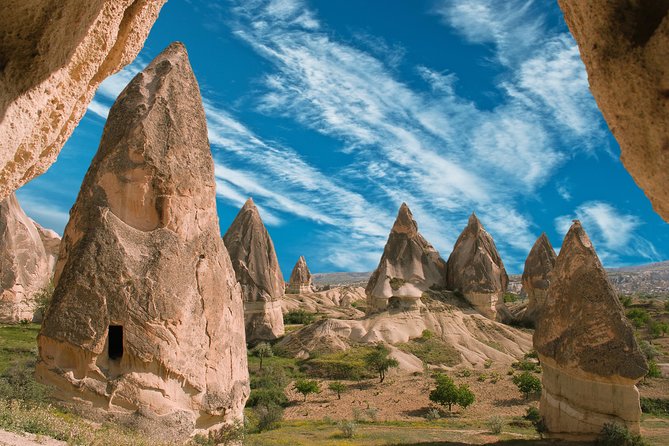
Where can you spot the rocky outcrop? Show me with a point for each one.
(476, 270)
(147, 316)
(538, 265)
(53, 56)
(257, 270)
(27, 259)
(591, 361)
(625, 48)
(409, 266)
(345, 302)
(300, 278)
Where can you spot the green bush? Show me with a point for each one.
(626, 300)
(653, 370)
(268, 416)
(17, 383)
(527, 366)
(618, 435)
(432, 350)
(348, 365)
(527, 383)
(532, 414)
(495, 425)
(655, 406)
(299, 317)
(337, 388)
(649, 350)
(510, 298)
(638, 316)
(396, 283)
(532, 354)
(267, 387)
(307, 386)
(231, 434)
(447, 393)
(43, 300)
(347, 428)
(432, 414)
(379, 361)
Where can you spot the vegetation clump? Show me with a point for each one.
(299, 317)
(261, 351)
(338, 388)
(527, 383)
(447, 393)
(432, 350)
(306, 387)
(614, 434)
(379, 361)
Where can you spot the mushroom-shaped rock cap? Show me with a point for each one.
(474, 264)
(583, 325)
(539, 264)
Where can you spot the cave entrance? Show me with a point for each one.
(115, 342)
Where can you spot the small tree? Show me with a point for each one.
(338, 388)
(527, 383)
(379, 361)
(306, 386)
(262, 350)
(42, 300)
(447, 393)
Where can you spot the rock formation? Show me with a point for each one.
(257, 270)
(475, 269)
(147, 316)
(538, 265)
(345, 302)
(27, 259)
(625, 47)
(409, 266)
(591, 361)
(53, 56)
(300, 278)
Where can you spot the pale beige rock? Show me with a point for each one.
(257, 270)
(142, 253)
(625, 47)
(590, 358)
(475, 269)
(409, 266)
(536, 276)
(27, 259)
(300, 278)
(336, 302)
(53, 56)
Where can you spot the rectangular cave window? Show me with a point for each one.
(115, 341)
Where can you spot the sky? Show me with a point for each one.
(330, 114)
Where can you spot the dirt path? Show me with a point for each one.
(12, 439)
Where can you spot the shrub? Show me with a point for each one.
(347, 428)
(510, 298)
(338, 388)
(626, 300)
(532, 414)
(532, 354)
(495, 425)
(267, 387)
(638, 316)
(446, 393)
(464, 373)
(307, 386)
(527, 383)
(262, 350)
(614, 434)
(231, 434)
(17, 383)
(655, 406)
(482, 377)
(653, 370)
(43, 300)
(432, 414)
(495, 377)
(487, 364)
(268, 416)
(526, 366)
(379, 361)
(299, 317)
(372, 413)
(649, 350)
(396, 283)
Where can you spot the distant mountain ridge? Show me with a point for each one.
(649, 278)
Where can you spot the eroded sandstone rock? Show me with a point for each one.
(538, 265)
(625, 47)
(591, 361)
(300, 278)
(27, 260)
(257, 270)
(475, 269)
(409, 266)
(53, 56)
(147, 316)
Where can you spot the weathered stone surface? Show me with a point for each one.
(300, 278)
(27, 259)
(257, 270)
(409, 266)
(590, 358)
(147, 316)
(538, 265)
(475, 269)
(53, 56)
(625, 47)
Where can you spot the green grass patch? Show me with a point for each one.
(347, 365)
(655, 406)
(17, 343)
(432, 350)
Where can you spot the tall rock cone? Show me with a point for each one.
(27, 257)
(536, 276)
(591, 361)
(257, 269)
(476, 270)
(409, 265)
(300, 278)
(147, 316)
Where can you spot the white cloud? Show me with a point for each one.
(42, 211)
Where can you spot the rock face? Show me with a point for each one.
(409, 266)
(591, 361)
(53, 56)
(476, 270)
(625, 48)
(300, 278)
(538, 265)
(257, 270)
(147, 316)
(27, 259)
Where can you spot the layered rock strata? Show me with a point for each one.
(147, 316)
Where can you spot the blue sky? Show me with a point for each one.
(330, 114)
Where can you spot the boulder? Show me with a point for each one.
(408, 267)
(257, 270)
(625, 47)
(476, 270)
(591, 361)
(147, 317)
(53, 56)
(300, 278)
(27, 259)
(536, 276)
